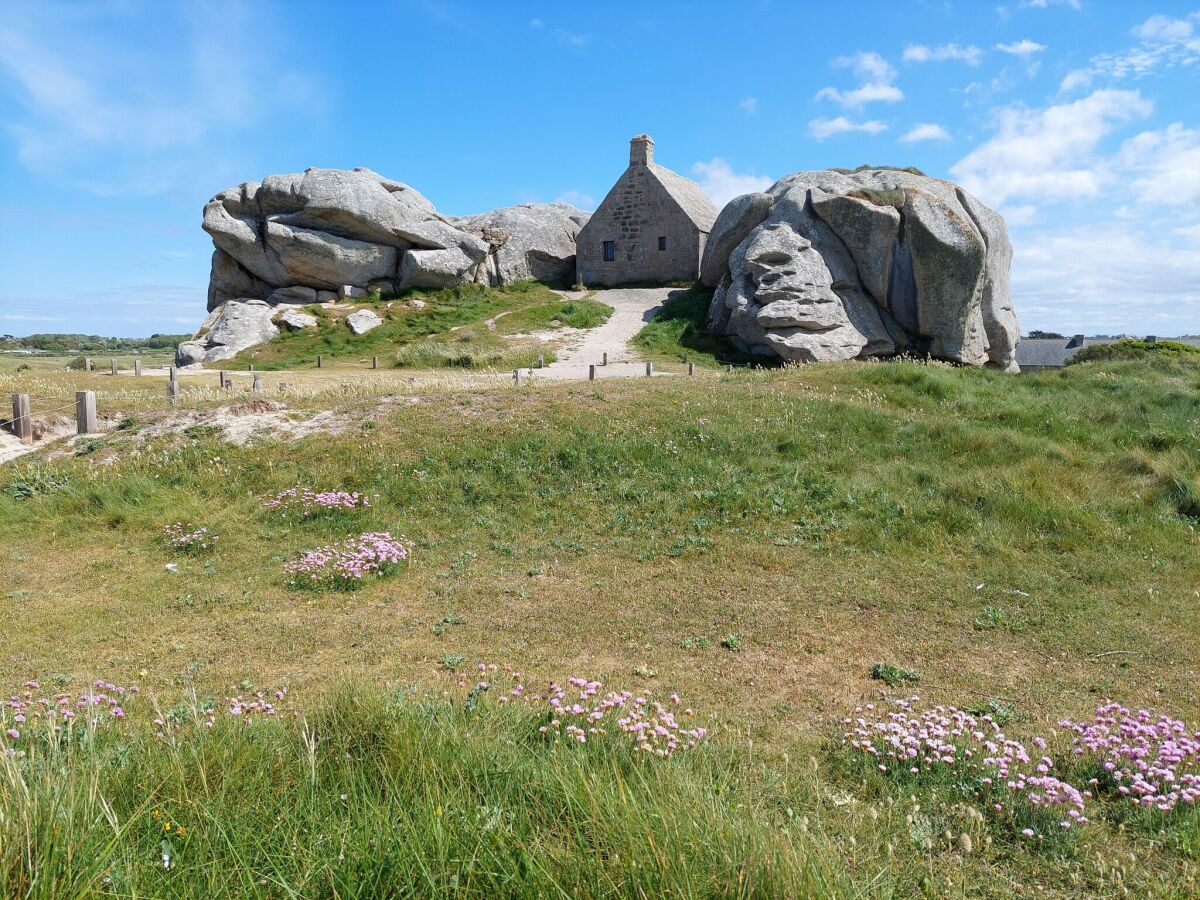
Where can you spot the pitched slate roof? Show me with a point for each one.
(689, 195)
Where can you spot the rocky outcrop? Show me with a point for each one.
(834, 265)
(535, 240)
(314, 236)
(231, 328)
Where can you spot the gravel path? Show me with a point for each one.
(632, 308)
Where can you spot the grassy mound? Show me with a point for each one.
(1132, 349)
(678, 332)
(405, 329)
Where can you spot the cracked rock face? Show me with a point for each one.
(830, 265)
(534, 240)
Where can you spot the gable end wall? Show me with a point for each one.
(637, 211)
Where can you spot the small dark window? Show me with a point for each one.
(662, 244)
(610, 251)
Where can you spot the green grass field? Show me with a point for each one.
(760, 543)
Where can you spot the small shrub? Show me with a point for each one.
(190, 538)
(346, 566)
(1000, 711)
(732, 641)
(893, 676)
(990, 618)
(695, 643)
(452, 660)
(306, 503)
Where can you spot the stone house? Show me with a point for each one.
(652, 226)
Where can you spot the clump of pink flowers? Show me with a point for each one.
(190, 538)
(1154, 761)
(346, 565)
(24, 711)
(581, 712)
(307, 503)
(258, 706)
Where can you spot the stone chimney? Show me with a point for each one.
(641, 150)
(1077, 340)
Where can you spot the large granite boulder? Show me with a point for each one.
(835, 265)
(229, 329)
(534, 240)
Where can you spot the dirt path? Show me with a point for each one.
(632, 309)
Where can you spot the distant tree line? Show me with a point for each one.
(94, 343)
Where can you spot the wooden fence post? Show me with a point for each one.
(250, 368)
(257, 386)
(691, 368)
(22, 422)
(649, 369)
(173, 392)
(114, 367)
(137, 367)
(541, 361)
(605, 363)
(728, 368)
(228, 385)
(87, 364)
(172, 373)
(517, 377)
(221, 378)
(591, 373)
(374, 362)
(318, 360)
(85, 412)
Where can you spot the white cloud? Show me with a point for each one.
(1048, 154)
(926, 131)
(1112, 280)
(577, 198)
(1075, 80)
(1024, 47)
(876, 75)
(1019, 215)
(919, 53)
(749, 105)
(867, 93)
(94, 111)
(1043, 4)
(820, 129)
(1163, 167)
(717, 178)
(536, 23)
(1164, 30)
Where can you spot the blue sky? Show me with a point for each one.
(1078, 119)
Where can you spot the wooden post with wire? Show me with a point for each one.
(85, 412)
(22, 420)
